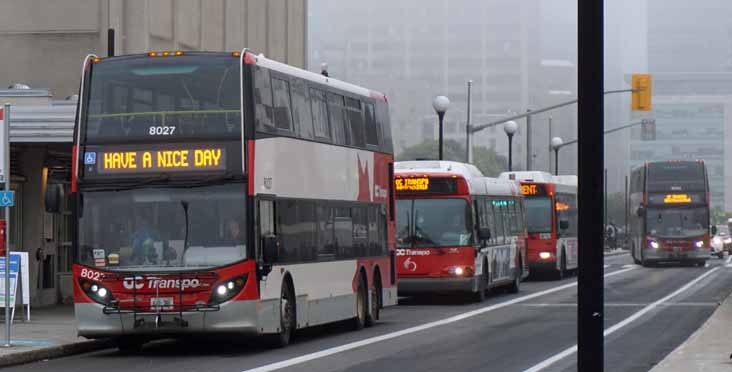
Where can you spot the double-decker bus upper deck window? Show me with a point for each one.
(194, 96)
(282, 104)
(676, 176)
(355, 121)
(372, 129)
(320, 113)
(336, 116)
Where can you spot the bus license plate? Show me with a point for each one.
(161, 303)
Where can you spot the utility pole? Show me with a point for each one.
(591, 160)
(528, 140)
(549, 167)
(468, 152)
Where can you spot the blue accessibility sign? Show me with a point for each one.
(7, 198)
(90, 158)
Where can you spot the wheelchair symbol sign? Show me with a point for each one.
(7, 198)
(90, 158)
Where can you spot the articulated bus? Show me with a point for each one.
(669, 212)
(457, 231)
(551, 219)
(227, 193)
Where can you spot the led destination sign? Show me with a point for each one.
(149, 161)
(532, 189)
(425, 185)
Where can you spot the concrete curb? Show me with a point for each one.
(52, 352)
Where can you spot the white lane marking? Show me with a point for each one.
(627, 266)
(354, 345)
(606, 266)
(626, 304)
(729, 259)
(706, 264)
(567, 352)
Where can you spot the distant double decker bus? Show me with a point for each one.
(457, 231)
(669, 212)
(227, 193)
(551, 220)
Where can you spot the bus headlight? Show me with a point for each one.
(97, 292)
(654, 244)
(460, 271)
(545, 255)
(699, 244)
(227, 289)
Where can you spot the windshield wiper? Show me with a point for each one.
(134, 184)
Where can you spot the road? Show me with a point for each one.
(649, 312)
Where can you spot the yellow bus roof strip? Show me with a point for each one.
(147, 113)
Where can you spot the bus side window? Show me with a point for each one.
(266, 223)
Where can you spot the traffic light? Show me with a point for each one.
(648, 130)
(641, 95)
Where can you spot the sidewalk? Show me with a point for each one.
(51, 333)
(708, 349)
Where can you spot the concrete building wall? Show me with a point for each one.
(44, 42)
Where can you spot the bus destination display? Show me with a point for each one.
(151, 161)
(532, 189)
(422, 185)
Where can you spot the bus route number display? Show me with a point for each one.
(151, 161)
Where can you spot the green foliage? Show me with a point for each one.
(486, 159)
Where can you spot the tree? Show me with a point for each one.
(486, 159)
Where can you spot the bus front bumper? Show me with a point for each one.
(412, 286)
(239, 317)
(661, 255)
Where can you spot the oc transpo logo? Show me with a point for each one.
(152, 282)
(409, 264)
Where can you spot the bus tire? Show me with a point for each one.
(375, 300)
(563, 266)
(516, 284)
(288, 317)
(479, 296)
(130, 344)
(361, 304)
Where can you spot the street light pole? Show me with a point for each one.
(440, 104)
(510, 128)
(557, 144)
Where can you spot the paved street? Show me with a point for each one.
(493, 335)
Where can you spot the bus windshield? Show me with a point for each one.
(428, 223)
(677, 222)
(539, 214)
(162, 228)
(189, 96)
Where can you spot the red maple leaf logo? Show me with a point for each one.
(364, 184)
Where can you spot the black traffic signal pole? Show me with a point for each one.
(591, 150)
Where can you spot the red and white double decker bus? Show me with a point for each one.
(669, 212)
(227, 193)
(457, 231)
(551, 220)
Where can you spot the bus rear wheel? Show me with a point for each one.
(375, 301)
(361, 304)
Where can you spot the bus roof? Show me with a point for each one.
(528, 176)
(438, 166)
(261, 60)
(477, 183)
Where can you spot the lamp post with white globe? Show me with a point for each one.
(510, 128)
(440, 104)
(556, 145)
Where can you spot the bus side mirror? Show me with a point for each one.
(714, 230)
(563, 225)
(640, 212)
(270, 249)
(53, 197)
(484, 233)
